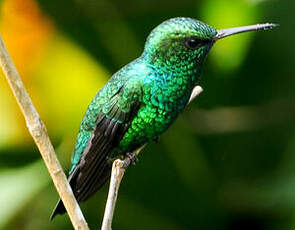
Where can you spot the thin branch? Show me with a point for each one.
(118, 169)
(40, 136)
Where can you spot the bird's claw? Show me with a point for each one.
(132, 157)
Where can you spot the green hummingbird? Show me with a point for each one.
(141, 100)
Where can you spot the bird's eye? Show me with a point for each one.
(193, 43)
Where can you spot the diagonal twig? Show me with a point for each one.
(118, 170)
(38, 131)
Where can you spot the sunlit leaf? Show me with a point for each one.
(18, 186)
(25, 31)
(64, 84)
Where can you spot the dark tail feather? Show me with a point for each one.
(98, 183)
(58, 210)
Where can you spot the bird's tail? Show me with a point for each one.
(97, 182)
(59, 207)
(58, 210)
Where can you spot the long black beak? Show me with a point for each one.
(236, 30)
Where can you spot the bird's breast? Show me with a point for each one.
(162, 101)
(167, 93)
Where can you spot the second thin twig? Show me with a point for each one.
(118, 171)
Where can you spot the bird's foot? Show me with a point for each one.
(132, 157)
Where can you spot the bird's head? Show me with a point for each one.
(183, 43)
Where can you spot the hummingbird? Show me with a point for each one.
(141, 100)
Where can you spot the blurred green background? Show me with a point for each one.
(227, 163)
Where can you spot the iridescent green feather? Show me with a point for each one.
(166, 74)
(141, 100)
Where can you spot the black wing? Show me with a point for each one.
(94, 168)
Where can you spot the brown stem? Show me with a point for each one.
(40, 136)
